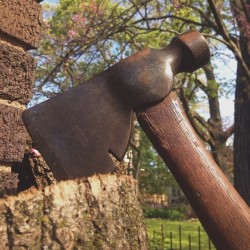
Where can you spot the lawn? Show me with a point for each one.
(185, 235)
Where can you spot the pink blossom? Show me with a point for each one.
(93, 7)
(72, 34)
(79, 19)
(35, 152)
(76, 18)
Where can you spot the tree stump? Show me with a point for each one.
(100, 212)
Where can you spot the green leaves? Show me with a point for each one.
(154, 177)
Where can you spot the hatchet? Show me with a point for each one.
(77, 130)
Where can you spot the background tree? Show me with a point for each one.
(82, 38)
(241, 11)
(154, 178)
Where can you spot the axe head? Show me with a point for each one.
(76, 130)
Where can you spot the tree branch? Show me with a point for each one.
(229, 131)
(192, 118)
(223, 32)
(170, 16)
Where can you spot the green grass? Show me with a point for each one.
(159, 235)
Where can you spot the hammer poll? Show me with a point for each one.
(76, 130)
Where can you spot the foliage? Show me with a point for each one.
(154, 177)
(163, 213)
(181, 211)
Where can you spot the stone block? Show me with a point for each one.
(13, 134)
(17, 73)
(8, 183)
(22, 20)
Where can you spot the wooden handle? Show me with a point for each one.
(221, 210)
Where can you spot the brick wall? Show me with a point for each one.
(20, 28)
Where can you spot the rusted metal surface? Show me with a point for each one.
(75, 130)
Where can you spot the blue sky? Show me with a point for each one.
(51, 1)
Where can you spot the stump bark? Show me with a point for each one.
(101, 212)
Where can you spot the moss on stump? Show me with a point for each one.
(101, 212)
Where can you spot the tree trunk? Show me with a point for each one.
(242, 126)
(101, 212)
(241, 12)
(215, 128)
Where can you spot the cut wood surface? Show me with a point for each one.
(101, 212)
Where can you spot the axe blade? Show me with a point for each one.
(76, 130)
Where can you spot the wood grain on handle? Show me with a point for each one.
(221, 210)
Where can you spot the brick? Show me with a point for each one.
(17, 74)
(21, 19)
(8, 183)
(13, 134)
